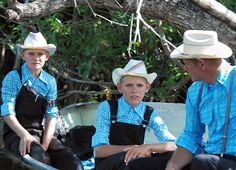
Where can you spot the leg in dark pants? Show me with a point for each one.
(114, 162)
(212, 162)
(155, 162)
(62, 157)
(36, 150)
(204, 162)
(226, 164)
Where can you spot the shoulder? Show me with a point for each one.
(104, 104)
(11, 76)
(195, 87)
(48, 77)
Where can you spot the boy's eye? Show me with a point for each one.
(31, 53)
(140, 85)
(129, 85)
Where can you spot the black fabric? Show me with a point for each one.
(113, 110)
(79, 139)
(157, 161)
(122, 134)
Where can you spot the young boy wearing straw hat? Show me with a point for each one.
(121, 125)
(210, 103)
(29, 96)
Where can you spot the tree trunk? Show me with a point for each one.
(189, 14)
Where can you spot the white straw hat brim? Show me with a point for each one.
(51, 48)
(118, 73)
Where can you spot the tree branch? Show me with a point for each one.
(217, 10)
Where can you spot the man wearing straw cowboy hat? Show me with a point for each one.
(120, 125)
(210, 104)
(29, 95)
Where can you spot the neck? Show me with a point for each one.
(36, 74)
(213, 72)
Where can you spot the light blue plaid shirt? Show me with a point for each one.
(11, 85)
(130, 115)
(212, 112)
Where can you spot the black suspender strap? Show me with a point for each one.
(113, 110)
(20, 73)
(227, 114)
(147, 115)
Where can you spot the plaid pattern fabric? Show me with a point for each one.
(130, 115)
(212, 115)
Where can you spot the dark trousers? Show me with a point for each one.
(116, 162)
(155, 162)
(213, 162)
(57, 155)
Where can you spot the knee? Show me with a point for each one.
(199, 162)
(39, 154)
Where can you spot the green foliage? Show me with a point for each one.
(230, 4)
(91, 48)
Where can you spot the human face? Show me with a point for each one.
(35, 60)
(194, 68)
(133, 88)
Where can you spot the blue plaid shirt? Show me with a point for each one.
(212, 115)
(130, 115)
(11, 85)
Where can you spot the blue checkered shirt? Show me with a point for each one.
(127, 114)
(212, 115)
(11, 85)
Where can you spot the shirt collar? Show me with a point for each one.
(27, 74)
(224, 73)
(140, 108)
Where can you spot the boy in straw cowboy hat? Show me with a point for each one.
(28, 97)
(121, 125)
(210, 104)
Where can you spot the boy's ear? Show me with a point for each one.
(47, 57)
(22, 56)
(148, 87)
(119, 87)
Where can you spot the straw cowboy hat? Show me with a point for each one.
(36, 41)
(133, 68)
(201, 44)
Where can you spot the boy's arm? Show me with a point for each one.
(104, 151)
(49, 130)
(26, 137)
(179, 159)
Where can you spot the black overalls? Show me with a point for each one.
(122, 134)
(30, 108)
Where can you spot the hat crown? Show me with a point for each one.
(35, 40)
(135, 66)
(199, 38)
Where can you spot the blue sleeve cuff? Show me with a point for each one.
(189, 142)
